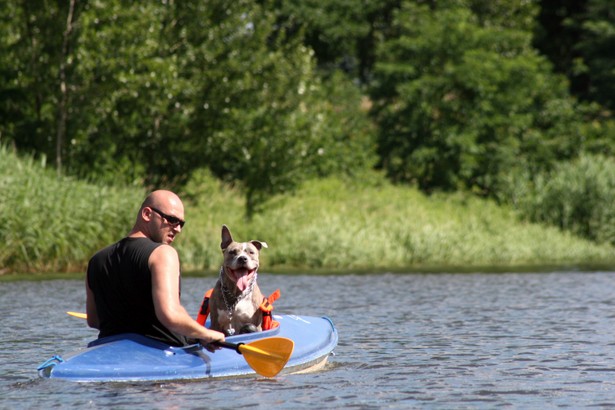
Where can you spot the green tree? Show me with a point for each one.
(30, 54)
(343, 34)
(585, 46)
(261, 117)
(462, 99)
(128, 105)
(597, 46)
(148, 92)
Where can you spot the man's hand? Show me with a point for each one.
(210, 343)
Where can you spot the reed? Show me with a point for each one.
(578, 196)
(369, 224)
(51, 224)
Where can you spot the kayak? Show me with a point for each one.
(132, 357)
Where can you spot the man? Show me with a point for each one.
(133, 286)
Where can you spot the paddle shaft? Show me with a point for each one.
(242, 348)
(229, 345)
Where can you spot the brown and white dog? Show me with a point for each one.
(234, 303)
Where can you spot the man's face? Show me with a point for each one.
(167, 224)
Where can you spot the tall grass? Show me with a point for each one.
(332, 224)
(576, 196)
(51, 224)
(370, 224)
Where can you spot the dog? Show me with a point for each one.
(236, 297)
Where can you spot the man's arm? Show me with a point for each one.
(164, 265)
(90, 306)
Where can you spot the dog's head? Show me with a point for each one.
(240, 259)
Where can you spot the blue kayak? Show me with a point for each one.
(132, 357)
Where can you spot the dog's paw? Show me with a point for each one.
(249, 328)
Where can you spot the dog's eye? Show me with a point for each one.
(233, 251)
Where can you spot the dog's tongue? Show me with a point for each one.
(243, 279)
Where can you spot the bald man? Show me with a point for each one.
(133, 286)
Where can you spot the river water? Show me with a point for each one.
(426, 341)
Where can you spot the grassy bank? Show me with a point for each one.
(372, 225)
(50, 224)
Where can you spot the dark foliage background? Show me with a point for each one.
(266, 94)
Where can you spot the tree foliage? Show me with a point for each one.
(264, 94)
(156, 90)
(585, 46)
(30, 44)
(462, 99)
(342, 33)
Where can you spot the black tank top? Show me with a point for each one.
(121, 281)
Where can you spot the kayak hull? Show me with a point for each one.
(131, 357)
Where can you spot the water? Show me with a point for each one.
(433, 341)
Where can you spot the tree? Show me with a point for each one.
(462, 99)
(342, 34)
(30, 50)
(147, 92)
(597, 47)
(62, 117)
(261, 117)
(585, 46)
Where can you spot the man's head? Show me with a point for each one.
(161, 217)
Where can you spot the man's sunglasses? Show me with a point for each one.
(172, 220)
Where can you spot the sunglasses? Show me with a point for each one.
(172, 220)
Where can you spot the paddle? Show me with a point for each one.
(78, 314)
(266, 357)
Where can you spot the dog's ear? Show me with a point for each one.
(259, 244)
(227, 239)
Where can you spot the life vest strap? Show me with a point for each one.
(204, 310)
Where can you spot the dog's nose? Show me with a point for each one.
(243, 259)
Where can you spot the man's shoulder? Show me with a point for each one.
(105, 251)
(143, 245)
(165, 249)
(126, 244)
(137, 241)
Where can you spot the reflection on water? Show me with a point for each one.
(406, 341)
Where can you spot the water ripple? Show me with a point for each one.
(475, 341)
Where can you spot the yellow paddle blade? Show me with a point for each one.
(78, 314)
(268, 356)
